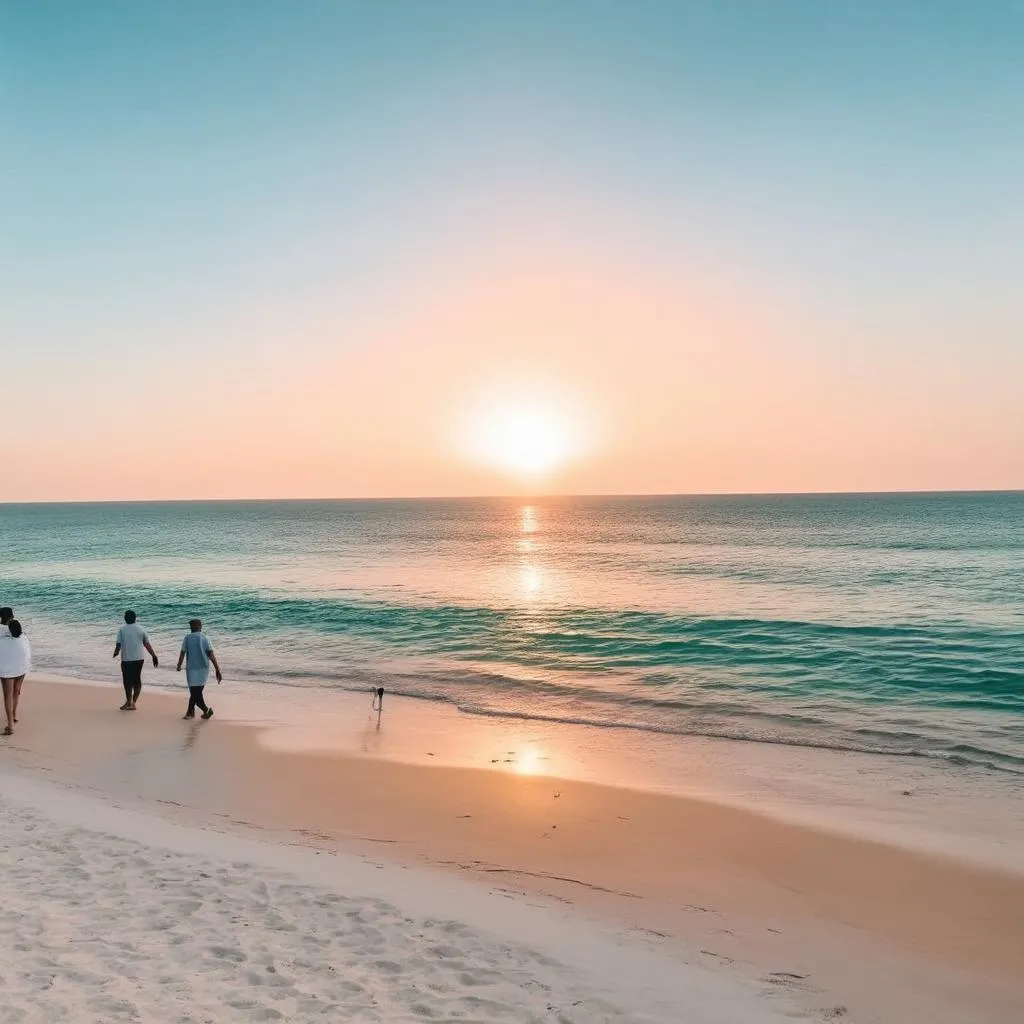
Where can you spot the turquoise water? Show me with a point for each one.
(888, 623)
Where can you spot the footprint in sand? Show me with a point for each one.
(227, 953)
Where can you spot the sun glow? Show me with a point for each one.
(529, 762)
(526, 441)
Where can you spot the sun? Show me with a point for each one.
(524, 440)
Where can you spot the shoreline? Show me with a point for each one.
(850, 922)
(919, 805)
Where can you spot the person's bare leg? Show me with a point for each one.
(8, 686)
(17, 697)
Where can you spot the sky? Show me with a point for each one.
(353, 249)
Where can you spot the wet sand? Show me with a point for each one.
(848, 928)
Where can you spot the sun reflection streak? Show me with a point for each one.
(531, 580)
(529, 762)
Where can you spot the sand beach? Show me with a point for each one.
(161, 869)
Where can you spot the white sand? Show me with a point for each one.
(114, 915)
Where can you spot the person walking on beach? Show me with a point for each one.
(131, 639)
(197, 653)
(15, 661)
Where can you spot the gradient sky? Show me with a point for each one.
(272, 249)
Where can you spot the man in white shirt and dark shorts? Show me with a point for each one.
(197, 655)
(131, 640)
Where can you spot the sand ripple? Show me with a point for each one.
(98, 928)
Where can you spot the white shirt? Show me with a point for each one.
(15, 656)
(132, 639)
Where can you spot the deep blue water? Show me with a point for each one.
(880, 622)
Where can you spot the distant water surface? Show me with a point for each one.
(880, 623)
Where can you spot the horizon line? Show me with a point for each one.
(522, 497)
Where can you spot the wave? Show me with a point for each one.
(948, 690)
(941, 659)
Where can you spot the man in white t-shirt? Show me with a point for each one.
(131, 639)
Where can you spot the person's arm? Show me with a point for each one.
(181, 657)
(152, 653)
(213, 659)
(117, 648)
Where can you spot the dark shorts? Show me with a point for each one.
(131, 672)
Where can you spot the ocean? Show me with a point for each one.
(891, 624)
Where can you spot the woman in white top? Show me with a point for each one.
(15, 661)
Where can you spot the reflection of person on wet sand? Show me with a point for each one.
(191, 736)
